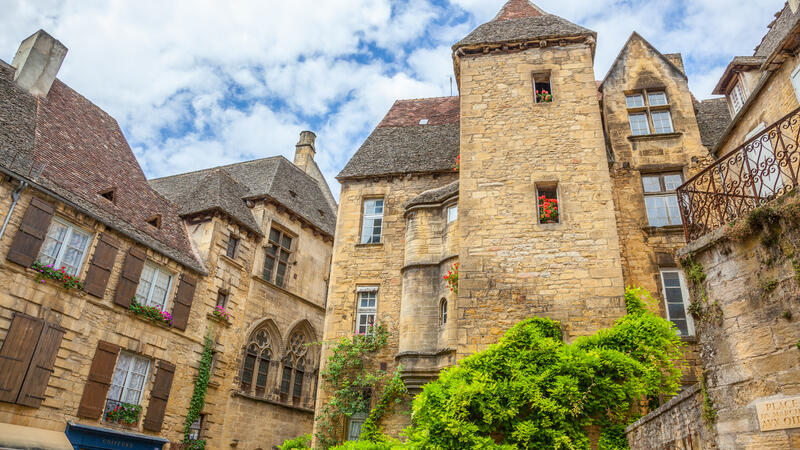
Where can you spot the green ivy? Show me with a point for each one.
(299, 443)
(768, 286)
(199, 396)
(709, 412)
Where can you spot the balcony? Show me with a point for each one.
(764, 168)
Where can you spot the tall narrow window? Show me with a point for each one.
(737, 97)
(543, 91)
(257, 359)
(372, 222)
(676, 299)
(366, 309)
(443, 312)
(294, 368)
(65, 246)
(277, 257)
(233, 244)
(154, 285)
(547, 203)
(660, 198)
(128, 381)
(196, 428)
(222, 298)
(452, 213)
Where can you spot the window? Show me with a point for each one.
(196, 428)
(660, 198)
(65, 246)
(543, 92)
(277, 257)
(257, 358)
(127, 384)
(155, 221)
(294, 367)
(372, 223)
(366, 309)
(655, 110)
(796, 82)
(222, 298)
(356, 421)
(423, 121)
(547, 203)
(452, 213)
(233, 244)
(443, 312)
(154, 286)
(737, 97)
(676, 299)
(109, 195)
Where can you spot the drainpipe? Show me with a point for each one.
(15, 194)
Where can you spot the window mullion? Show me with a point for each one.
(149, 298)
(63, 249)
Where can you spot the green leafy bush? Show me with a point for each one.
(298, 443)
(533, 391)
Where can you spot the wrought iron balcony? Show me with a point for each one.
(765, 167)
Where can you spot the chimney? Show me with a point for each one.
(304, 150)
(37, 62)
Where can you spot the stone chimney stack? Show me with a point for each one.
(37, 62)
(304, 150)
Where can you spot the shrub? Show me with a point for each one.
(298, 443)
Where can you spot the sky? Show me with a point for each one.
(201, 83)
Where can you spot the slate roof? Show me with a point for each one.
(436, 195)
(713, 117)
(399, 144)
(79, 151)
(226, 188)
(778, 30)
(520, 20)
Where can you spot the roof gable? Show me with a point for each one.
(516, 9)
(623, 55)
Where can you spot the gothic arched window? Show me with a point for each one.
(443, 311)
(256, 362)
(294, 367)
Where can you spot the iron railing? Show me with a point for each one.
(765, 167)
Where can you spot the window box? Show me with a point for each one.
(216, 318)
(122, 413)
(65, 281)
(151, 313)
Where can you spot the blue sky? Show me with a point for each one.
(200, 83)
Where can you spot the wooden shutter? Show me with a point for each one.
(183, 302)
(32, 391)
(93, 400)
(159, 396)
(16, 354)
(131, 271)
(102, 262)
(31, 233)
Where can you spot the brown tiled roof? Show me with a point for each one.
(778, 31)
(713, 117)
(84, 153)
(400, 144)
(227, 187)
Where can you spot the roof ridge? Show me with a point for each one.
(426, 98)
(208, 169)
(517, 9)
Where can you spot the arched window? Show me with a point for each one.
(443, 311)
(294, 367)
(256, 362)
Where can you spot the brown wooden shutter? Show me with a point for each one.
(32, 391)
(131, 271)
(183, 302)
(16, 354)
(31, 233)
(102, 262)
(93, 400)
(159, 396)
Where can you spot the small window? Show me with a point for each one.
(354, 425)
(662, 122)
(109, 195)
(655, 111)
(154, 285)
(657, 98)
(676, 299)
(372, 222)
(127, 384)
(639, 126)
(547, 204)
(443, 312)
(233, 244)
(222, 298)
(634, 101)
(423, 121)
(155, 221)
(64, 246)
(276, 261)
(543, 92)
(367, 309)
(660, 198)
(737, 97)
(196, 428)
(452, 213)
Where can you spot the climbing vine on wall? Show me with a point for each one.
(198, 397)
(351, 379)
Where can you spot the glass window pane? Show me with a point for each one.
(672, 181)
(673, 210)
(298, 384)
(281, 274)
(286, 379)
(53, 242)
(274, 235)
(287, 242)
(639, 124)
(671, 279)
(656, 211)
(676, 311)
(452, 213)
(651, 183)
(269, 264)
(634, 101)
(662, 122)
(683, 328)
(657, 98)
(263, 368)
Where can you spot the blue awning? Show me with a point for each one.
(95, 438)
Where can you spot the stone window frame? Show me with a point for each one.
(261, 353)
(537, 78)
(647, 109)
(232, 246)
(443, 303)
(366, 311)
(223, 295)
(548, 186)
(365, 217)
(447, 213)
(158, 268)
(58, 260)
(663, 192)
(295, 364)
(283, 233)
(691, 332)
(125, 386)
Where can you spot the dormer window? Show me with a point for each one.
(423, 121)
(155, 221)
(110, 195)
(737, 97)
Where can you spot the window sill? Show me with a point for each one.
(57, 284)
(669, 229)
(550, 224)
(689, 339)
(370, 245)
(654, 137)
(231, 261)
(217, 319)
(272, 402)
(152, 322)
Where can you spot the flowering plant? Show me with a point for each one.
(458, 163)
(543, 96)
(452, 278)
(548, 209)
(151, 312)
(48, 271)
(222, 314)
(124, 413)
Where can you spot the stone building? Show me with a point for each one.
(530, 125)
(253, 238)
